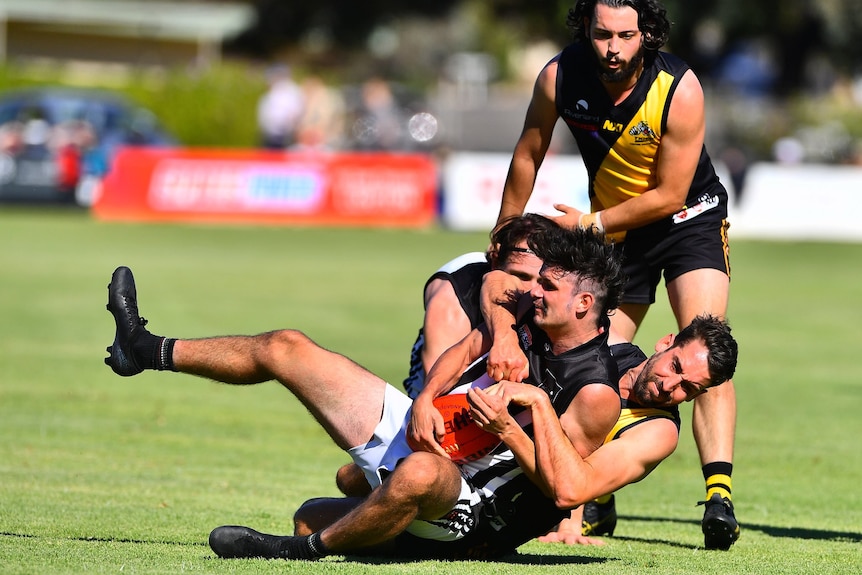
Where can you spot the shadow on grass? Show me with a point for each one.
(537, 559)
(514, 559)
(104, 539)
(771, 530)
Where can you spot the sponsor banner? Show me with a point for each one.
(473, 187)
(270, 187)
(799, 202)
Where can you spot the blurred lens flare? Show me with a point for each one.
(422, 127)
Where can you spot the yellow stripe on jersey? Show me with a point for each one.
(629, 168)
(631, 416)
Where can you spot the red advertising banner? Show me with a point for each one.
(255, 186)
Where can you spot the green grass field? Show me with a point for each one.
(100, 474)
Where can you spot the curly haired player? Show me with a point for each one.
(637, 115)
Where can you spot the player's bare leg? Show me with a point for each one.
(321, 512)
(627, 319)
(346, 399)
(424, 486)
(714, 413)
(351, 481)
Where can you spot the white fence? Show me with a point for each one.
(799, 202)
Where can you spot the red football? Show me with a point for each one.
(464, 441)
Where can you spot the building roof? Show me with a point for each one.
(190, 21)
(133, 32)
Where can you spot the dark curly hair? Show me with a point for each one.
(723, 350)
(514, 230)
(652, 19)
(585, 253)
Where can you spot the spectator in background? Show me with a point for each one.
(12, 138)
(321, 124)
(94, 163)
(378, 126)
(279, 109)
(63, 145)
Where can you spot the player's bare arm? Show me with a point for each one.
(426, 424)
(491, 413)
(532, 145)
(502, 303)
(615, 464)
(681, 146)
(445, 322)
(552, 468)
(680, 149)
(590, 417)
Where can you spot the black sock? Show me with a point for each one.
(315, 543)
(308, 548)
(153, 351)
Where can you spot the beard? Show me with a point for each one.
(640, 390)
(641, 387)
(624, 72)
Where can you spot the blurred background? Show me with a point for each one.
(783, 79)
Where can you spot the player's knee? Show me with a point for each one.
(351, 481)
(321, 512)
(423, 474)
(306, 518)
(301, 523)
(276, 344)
(428, 483)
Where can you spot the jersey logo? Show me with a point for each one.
(705, 203)
(643, 134)
(581, 117)
(550, 385)
(525, 336)
(612, 126)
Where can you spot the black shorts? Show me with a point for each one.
(673, 249)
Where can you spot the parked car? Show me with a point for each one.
(57, 143)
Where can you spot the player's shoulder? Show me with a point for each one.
(626, 355)
(670, 61)
(461, 272)
(462, 261)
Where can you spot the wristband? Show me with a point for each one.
(592, 220)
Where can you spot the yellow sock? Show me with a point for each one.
(604, 498)
(718, 480)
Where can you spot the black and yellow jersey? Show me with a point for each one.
(620, 143)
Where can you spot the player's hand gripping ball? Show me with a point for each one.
(464, 441)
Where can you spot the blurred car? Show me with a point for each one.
(57, 143)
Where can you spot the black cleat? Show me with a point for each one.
(720, 528)
(237, 542)
(599, 518)
(123, 305)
